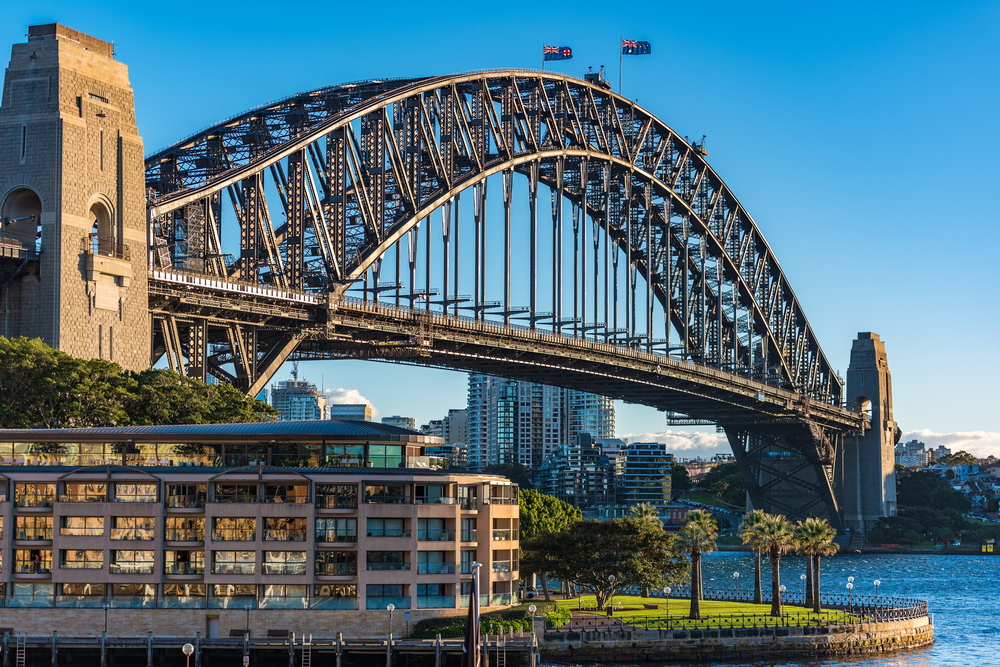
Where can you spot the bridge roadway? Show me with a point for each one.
(321, 328)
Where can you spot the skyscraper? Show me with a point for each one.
(512, 421)
(297, 400)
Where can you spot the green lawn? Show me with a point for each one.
(714, 614)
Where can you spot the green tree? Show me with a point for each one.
(776, 535)
(541, 515)
(959, 458)
(646, 512)
(750, 524)
(635, 552)
(814, 537)
(726, 483)
(928, 489)
(680, 481)
(698, 536)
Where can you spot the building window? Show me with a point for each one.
(503, 494)
(135, 493)
(468, 530)
(183, 529)
(183, 596)
(235, 493)
(34, 495)
(377, 596)
(185, 495)
(392, 494)
(337, 496)
(81, 525)
(385, 456)
(82, 596)
(34, 528)
(233, 596)
(286, 493)
(334, 596)
(284, 562)
(284, 596)
(133, 528)
(387, 560)
(234, 562)
(184, 562)
(241, 529)
(336, 563)
(84, 492)
(336, 530)
(467, 497)
(387, 528)
(283, 529)
(133, 596)
(127, 561)
(468, 557)
(435, 562)
(433, 494)
(31, 595)
(78, 559)
(33, 561)
(433, 530)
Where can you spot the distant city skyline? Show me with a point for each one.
(815, 116)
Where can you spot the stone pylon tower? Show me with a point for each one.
(73, 241)
(865, 473)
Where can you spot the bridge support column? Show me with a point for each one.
(865, 471)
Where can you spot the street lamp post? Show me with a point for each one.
(850, 594)
(736, 586)
(611, 580)
(781, 593)
(188, 649)
(878, 583)
(803, 578)
(106, 607)
(667, 591)
(248, 620)
(390, 608)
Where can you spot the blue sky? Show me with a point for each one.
(861, 137)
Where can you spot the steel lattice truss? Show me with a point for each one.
(323, 187)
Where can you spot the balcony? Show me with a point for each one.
(284, 603)
(342, 603)
(45, 500)
(389, 532)
(132, 534)
(337, 502)
(502, 599)
(382, 602)
(334, 536)
(284, 568)
(464, 600)
(467, 503)
(184, 568)
(79, 601)
(284, 535)
(234, 535)
(185, 535)
(83, 498)
(502, 566)
(435, 602)
(435, 500)
(235, 498)
(38, 534)
(79, 532)
(240, 602)
(435, 535)
(504, 535)
(133, 567)
(132, 602)
(336, 569)
(469, 535)
(81, 565)
(182, 602)
(435, 568)
(189, 501)
(234, 568)
(34, 601)
(387, 566)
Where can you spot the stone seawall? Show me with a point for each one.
(737, 643)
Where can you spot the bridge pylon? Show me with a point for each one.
(73, 238)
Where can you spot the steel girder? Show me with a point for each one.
(357, 167)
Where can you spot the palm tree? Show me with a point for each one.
(815, 538)
(646, 512)
(697, 537)
(750, 523)
(776, 535)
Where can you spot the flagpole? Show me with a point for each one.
(543, 56)
(620, 65)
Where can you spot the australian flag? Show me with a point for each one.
(556, 53)
(630, 47)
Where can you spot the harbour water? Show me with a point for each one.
(963, 594)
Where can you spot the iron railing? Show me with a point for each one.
(106, 246)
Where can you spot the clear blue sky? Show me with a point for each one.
(862, 137)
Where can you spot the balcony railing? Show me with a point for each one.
(469, 535)
(387, 566)
(233, 568)
(132, 602)
(240, 602)
(342, 603)
(132, 534)
(467, 503)
(137, 567)
(185, 535)
(79, 532)
(435, 602)
(504, 535)
(235, 499)
(197, 500)
(336, 569)
(435, 568)
(38, 534)
(80, 601)
(22, 601)
(35, 501)
(284, 603)
(435, 500)
(503, 501)
(501, 566)
(435, 535)
(106, 246)
(21, 567)
(502, 599)
(83, 498)
(334, 536)
(381, 602)
(464, 600)
(389, 500)
(337, 502)
(284, 568)
(182, 602)
(292, 500)
(284, 535)
(184, 568)
(389, 532)
(234, 535)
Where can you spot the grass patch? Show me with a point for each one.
(493, 623)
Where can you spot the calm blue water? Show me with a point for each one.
(963, 593)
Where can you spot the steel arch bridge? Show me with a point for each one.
(329, 225)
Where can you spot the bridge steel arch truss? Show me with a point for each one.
(260, 226)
